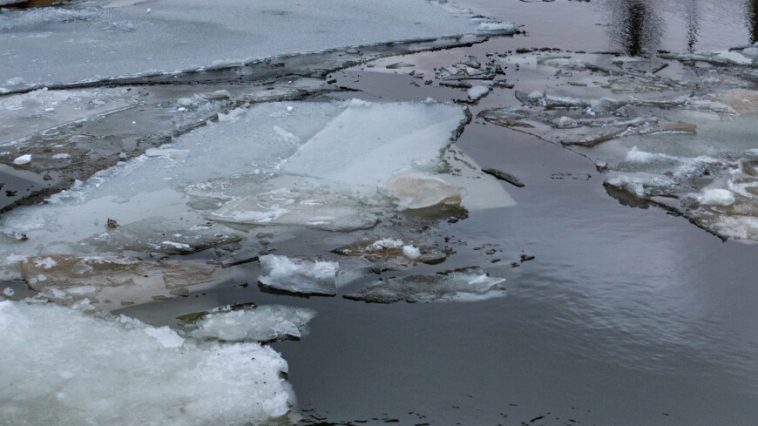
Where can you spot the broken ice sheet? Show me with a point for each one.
(180, 35)
(299, 276)
(43, 109)
(257, 324)
(112, 282)
(464, 285)
(67, 368)
(262, 165)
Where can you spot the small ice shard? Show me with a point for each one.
(413, 191)
(411, 252)
(110, 281)
(478, 92)
(299, 276)
(74, 369)
(8, 292)
(564, 122)
(466, 285)
(23, 159)
(316, 209)
(259, 324)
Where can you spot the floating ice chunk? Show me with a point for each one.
(715, 197)
(384, 244)
(413, 191)
(23, 159)
(299, 276)
(8, 292)
(641, 184)
(260, 324)
(503, 28)
(110, 282)
(316, 209)
(636, 155)
(478, 92)
(74, 369)
(466, 285)
(368, 143)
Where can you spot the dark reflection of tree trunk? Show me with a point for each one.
(637, 14)
(635, 27)
(752, 18)
(693, 25)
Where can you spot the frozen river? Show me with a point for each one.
(553, 227)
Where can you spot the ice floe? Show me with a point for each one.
(465, 285)
(111, 282)
(259, 324)
(180, 35)
(324, 165)
(66, 368)
(299, 276)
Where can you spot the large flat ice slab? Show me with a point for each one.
(107, 39)
(63, 367)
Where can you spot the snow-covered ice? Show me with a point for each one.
(259, 324)
(66, 368)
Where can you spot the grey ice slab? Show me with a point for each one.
(105, 39)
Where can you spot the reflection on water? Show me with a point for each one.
(752, 19)
(635, 27)
(693, 24)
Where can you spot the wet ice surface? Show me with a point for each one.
(465, 285)
(103, 38)
(68, 368)
(659, 125)
(259, 324)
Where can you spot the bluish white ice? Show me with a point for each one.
(259, 324)
(325, 165)
(63, 367)
(111, 38)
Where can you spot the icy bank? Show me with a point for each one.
(66, 368)
(109, 39)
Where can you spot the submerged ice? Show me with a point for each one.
(66, 368)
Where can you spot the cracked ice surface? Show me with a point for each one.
(322, 165)
(66, 368)
(106, 39)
